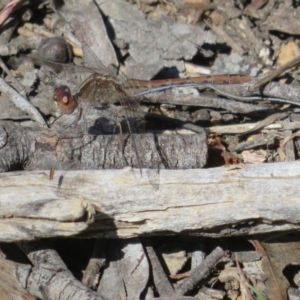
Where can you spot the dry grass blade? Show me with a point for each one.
(10, 8)
(275, 73)
(267, 121)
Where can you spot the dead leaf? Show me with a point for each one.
(128, 270)
(276, 256)
(287, 52)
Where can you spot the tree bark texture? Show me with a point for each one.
(40, 149)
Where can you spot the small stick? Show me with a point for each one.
(273, 74)
(21, 102)
(161, 281)
(19, 87)
(96, 262)
(201, 271)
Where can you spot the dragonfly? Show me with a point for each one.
(106, 89)
(102, 88)
(110, 90)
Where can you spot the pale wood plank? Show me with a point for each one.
(212, 202)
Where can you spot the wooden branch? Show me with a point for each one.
(225, 201)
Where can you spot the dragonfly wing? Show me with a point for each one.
(91, 60)
(68, 70)
(58, 67)
(132, 111)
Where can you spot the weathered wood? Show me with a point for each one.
(223, 201)
(35, 148)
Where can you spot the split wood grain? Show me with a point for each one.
(226, 201)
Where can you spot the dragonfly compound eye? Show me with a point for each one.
(64, 99)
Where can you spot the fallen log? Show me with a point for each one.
(226, 201)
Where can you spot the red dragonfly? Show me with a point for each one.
(110, 90)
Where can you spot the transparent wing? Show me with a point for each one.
(91, 60)
(95, 88)
(60, 67)
(137, 134)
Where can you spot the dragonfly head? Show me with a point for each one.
(64, 99)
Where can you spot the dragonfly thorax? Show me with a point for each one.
(100, 90)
